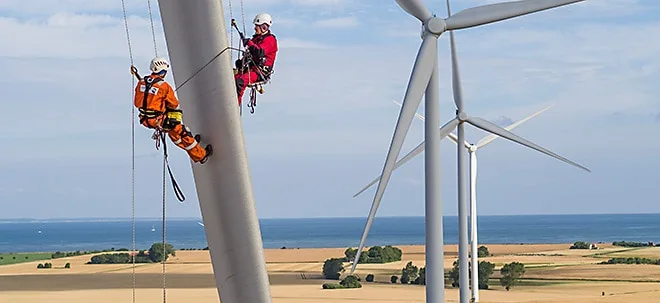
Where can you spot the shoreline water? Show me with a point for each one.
(102, 219)
(86, 235)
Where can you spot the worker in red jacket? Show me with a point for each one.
(256, 65)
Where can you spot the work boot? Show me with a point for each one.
(209, 152)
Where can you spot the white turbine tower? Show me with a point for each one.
(472, 150)
(423, 80)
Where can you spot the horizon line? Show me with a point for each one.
(298, 218)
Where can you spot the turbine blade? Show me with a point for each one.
(420, 117)
(416, 151)
(490, 13)
(493, 128)
(455, 74)
(452, 136)
(415, 8)
(444, 131)
(492, 137)
(419, 79)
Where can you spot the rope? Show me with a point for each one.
(130, 53)
(231, 29)
(165, 164)
(249, 74)
(153, 32)
(231, 42)
(204, 66)
(242, 16)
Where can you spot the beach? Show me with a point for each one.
(554, 273)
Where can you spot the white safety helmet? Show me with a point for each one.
(159, 64)
(263, 18)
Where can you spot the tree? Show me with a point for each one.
(369, 278)
(421, 279)
(67, 265)
(454, 275)
(351, 281)
(486, 269)
(409, 273)
(332, 286)
(350, 254)
(333, 268)
(511, 273)
(393, 279)
(375, 254)
(580, 245)
(482, 251)
(156, 252)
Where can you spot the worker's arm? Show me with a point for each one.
(267, 46)
(171, 102)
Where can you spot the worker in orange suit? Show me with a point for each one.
(159, 109)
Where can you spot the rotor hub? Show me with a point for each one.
(435, 25)
(473, 148)
(462, 116)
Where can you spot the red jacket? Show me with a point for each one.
(264, 46)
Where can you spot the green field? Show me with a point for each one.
(23, 257)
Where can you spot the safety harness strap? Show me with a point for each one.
(148, 84)
(144, 112)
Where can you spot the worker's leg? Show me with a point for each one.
(183, 138)
(242, 81)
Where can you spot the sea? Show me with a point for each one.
(26, 235)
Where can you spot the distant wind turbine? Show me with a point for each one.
(423, 82)
(472, 150)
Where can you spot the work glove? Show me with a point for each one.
(246, 42)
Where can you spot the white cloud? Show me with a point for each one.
(342, 22)
(76, 36)
(287, 43)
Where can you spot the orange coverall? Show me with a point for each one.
(152, 114)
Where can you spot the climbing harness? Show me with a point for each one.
(159, 131)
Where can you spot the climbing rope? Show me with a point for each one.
(130, 53)
(153, 32)
(165, 163)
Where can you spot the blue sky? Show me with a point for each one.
(321, 131)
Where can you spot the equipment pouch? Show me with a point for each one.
(173, 118)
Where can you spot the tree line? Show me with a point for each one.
(333, 268)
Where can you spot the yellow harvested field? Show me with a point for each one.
(554, 274)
